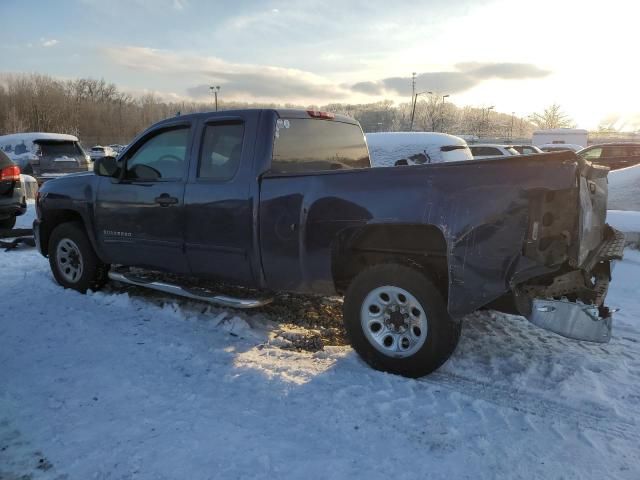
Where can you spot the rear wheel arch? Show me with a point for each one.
(422, 247)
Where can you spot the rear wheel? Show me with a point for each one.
(397, 321)
(8, 223)
(73, 261)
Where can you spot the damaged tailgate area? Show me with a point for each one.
(581, 249)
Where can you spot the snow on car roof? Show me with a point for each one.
(395, 139)
(386, 148)
(36, 136)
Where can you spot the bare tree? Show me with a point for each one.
(552, 117)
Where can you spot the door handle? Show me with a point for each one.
(165, 200)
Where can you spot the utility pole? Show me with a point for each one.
(513, 114)
(215, 91)
(413, 86)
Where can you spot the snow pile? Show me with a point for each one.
(143, 386)
(417, 147)
(624, 189)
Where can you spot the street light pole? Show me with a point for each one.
(215, 91)
(442, 113)
(413, 111)
(486, 117)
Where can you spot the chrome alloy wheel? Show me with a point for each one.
(393, 321)
(69, 260)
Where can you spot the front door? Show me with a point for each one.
(140, 217)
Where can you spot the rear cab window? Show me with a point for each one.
(304, 145)
(55, 148)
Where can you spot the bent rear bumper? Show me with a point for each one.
(578, 320)
(573, 320)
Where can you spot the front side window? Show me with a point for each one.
(592, 154)
(310, 145)
(221, 151)
(161, 157)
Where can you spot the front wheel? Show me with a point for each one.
(72, 259)
(397, 321)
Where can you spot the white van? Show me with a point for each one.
(45, 155)
(387, 149)
(575, 136)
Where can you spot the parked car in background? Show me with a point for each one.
(117, 148)
(415, 148)
(613, 155)
(99, 151)
(45, 155)
(560, 147)
(489, 150)
(526, 149)
(573, 136)
(13, 201)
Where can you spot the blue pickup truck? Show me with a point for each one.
(286, 200)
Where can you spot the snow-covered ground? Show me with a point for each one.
(112, 385)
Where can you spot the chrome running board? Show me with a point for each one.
(193, 294)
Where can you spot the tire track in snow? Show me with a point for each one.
(530, 403)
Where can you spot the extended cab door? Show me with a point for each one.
(219, 202)
(140, 217)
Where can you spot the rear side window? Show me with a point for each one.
(488, 151)
(616, 151)
(310, 145)
(221, 151)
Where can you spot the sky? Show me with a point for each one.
(518, 56)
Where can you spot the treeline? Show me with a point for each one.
(99, 113)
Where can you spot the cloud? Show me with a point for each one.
(254, 82)
(238, 81)
(466, 76)
(48, 43)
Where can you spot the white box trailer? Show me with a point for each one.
(574, 136)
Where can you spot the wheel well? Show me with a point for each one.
(54, 219)
(419, 246)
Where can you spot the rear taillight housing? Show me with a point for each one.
(10, 173)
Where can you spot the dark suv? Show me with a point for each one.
(13, 201)
(612, 155)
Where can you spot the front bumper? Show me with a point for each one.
(576, 319)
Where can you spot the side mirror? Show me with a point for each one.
(401, 162)
(106, 167)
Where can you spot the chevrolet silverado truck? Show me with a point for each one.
(287, 201)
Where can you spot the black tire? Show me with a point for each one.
(93, 273)
(442, 334)
(8, 223)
